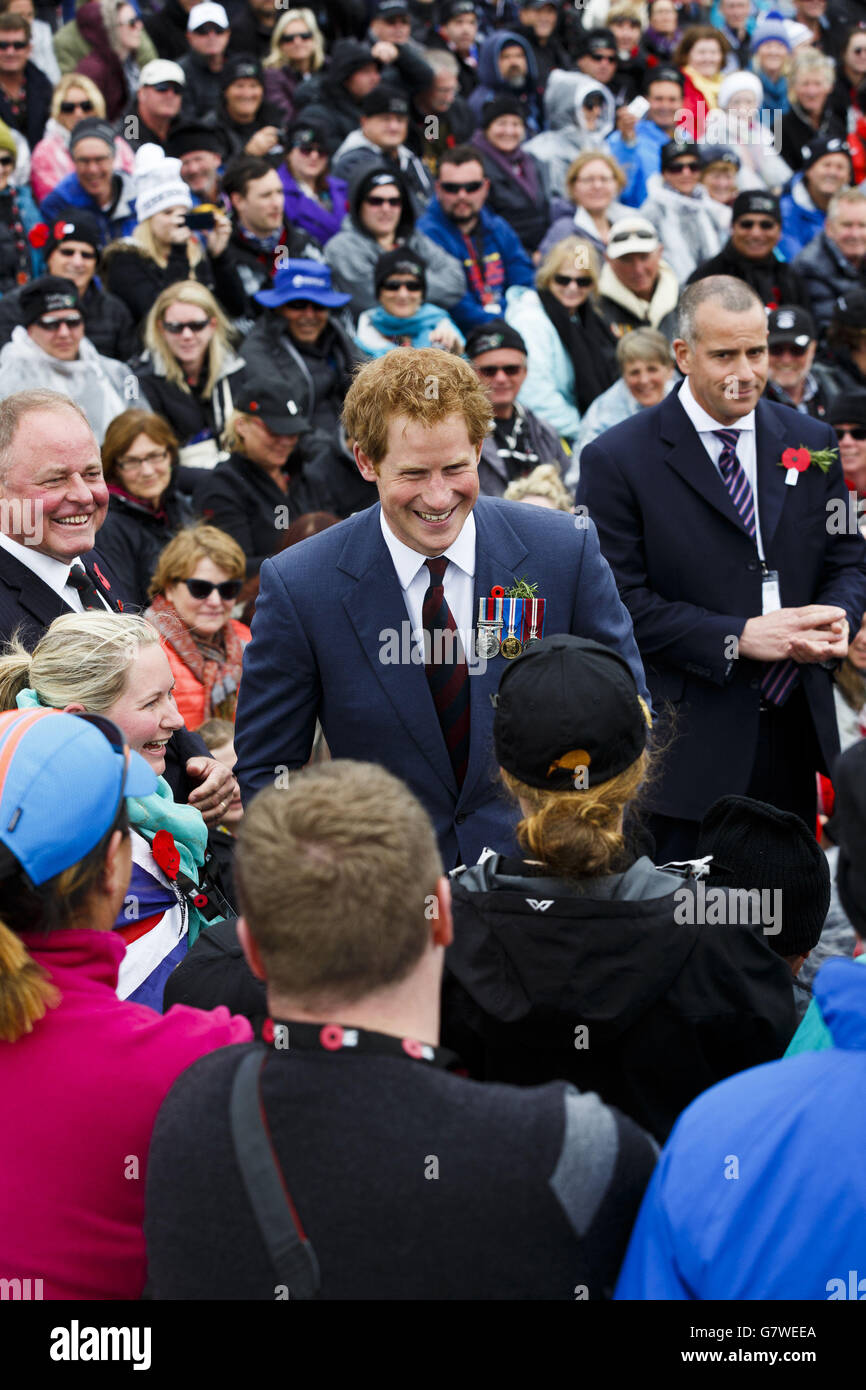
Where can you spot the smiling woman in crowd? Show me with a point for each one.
(647, 365)
(196, 582)
(297, 52)
(403, 317)
(145, 507)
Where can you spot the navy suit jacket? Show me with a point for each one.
(318, 634)
(688, 572)
(28, 605)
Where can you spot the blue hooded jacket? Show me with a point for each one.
(69, 193)
(801, 220)
(505, 260)
(490, 83)
(758, 1193)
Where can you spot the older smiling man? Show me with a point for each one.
(53, 500)
(333, 634)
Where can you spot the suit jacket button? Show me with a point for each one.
(460, 817)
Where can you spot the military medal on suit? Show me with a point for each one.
(508, 622)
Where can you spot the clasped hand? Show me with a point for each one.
(818, 632)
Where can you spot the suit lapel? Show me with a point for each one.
(376, 607)
(688, 457)
(36, 597)
(770, 444)
(499, 553)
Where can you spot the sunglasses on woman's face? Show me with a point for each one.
(313, 149)
(194, 326)
(582, 281)
(67, 107)
(202, 588)
(6, 161)
(414, 285)
(376, 200)
(293, 38)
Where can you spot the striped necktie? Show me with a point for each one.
(447, 672)
(779, 677)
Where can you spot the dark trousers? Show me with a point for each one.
(783, 774)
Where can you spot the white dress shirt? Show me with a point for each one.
(459, 581)
(746, 446)
(54, 573)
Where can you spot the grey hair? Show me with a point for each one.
(440, 60)
(644, 345)
(21, 403)
(845, 195)
(725, 290)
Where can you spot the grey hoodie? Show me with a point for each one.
(568, 134)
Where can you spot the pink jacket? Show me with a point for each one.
(79, 1097)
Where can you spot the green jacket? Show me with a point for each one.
(70, 47)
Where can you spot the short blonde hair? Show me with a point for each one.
(543, 481)
(644, 345)
(810, 60)
(88, 87)
(180, 557)
(275, 58)
(573, 251)
(353, 853)
(423, 384)
(588, 157)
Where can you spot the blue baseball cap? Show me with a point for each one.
(302, 280)
(62, 778)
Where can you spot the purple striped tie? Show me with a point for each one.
(447, 672)
(779, 677)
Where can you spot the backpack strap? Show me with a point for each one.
(292, 1255)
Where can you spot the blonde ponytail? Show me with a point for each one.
(26, 992)
(14, 672)
(577, 834)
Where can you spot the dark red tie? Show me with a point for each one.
(445, 664)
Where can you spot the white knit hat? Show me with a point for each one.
(740, 82)
(158, 184)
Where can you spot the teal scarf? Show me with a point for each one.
(160, 811)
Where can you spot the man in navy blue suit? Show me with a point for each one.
(742, 578)
(334, 614)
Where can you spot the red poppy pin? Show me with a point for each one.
(38, 236)
(796, 461)
(166, 853)
(101, 577)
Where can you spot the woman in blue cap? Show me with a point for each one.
(82, 1074)
(114, 665)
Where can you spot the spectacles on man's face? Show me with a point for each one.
(16, 45)
(67, 252)
(174, 87)
(194, 326)
(786, 349)
(509, 368)
(583, 282)
(763, 224)
(377, 200)
(684, 166)
(393, 285)
(208, 30)
(294, 38)
(471, 187)
(68, 107)
(132, 466)
(52, 324)
(857, 432)
(602, 57)
(202, 588)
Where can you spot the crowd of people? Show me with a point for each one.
(432, 647)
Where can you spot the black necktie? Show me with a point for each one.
(79, 579)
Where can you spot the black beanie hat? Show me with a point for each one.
(493, 337)
(756, 846)
(759, 202)
(504, 105)
(400, 261)
(46, 295)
